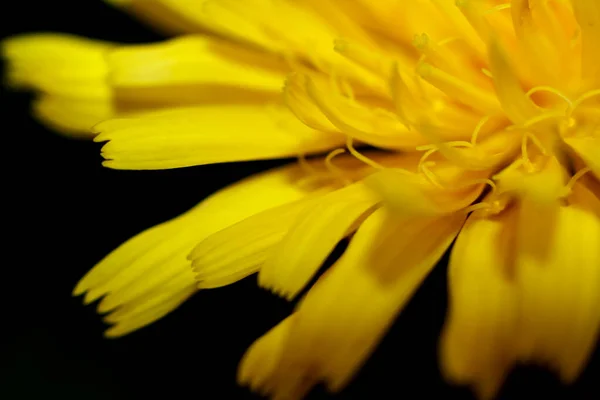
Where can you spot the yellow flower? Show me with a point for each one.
(488, 115)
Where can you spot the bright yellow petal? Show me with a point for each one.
(152, 296)
(209, 134)
(261, 360)
(58, 64)
(409, 193)
(243, 247)
(316, 231)
(196, 60)
(300, 103)
(560, 289)
(378, 127)
(73, 116)
(587, 13)
(343, 317)
(144, 318)
(517, 106)
(477, 345)
(155, 261)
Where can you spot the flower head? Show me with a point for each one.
(474, 120)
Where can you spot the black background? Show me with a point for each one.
(62, 212)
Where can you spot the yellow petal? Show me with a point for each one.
(587, 13)
(488, 154)
(149, 316)
(343, 317)
(261, 360)
(477, 342)
(560, 292)
(318, 228)
(408, 193)
(152, 261)
(469, 94)
(416, 101)
(210, 134)
(72, 116)
(300, 103)
(144, 276)
(543, 185)
(151, 298)
(58, 64)
(374, 126)
(517, 106)
(224, 208)
(195, 60)
(243, 247)
(539, 194)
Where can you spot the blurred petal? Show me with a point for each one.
(195, 60)
(560, 289)
(73, 116)
(344, 316)
(477, 345)
(261, 360)
(58, 64)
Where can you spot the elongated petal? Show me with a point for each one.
(147, 317)
(374, 126)
(300, 103)
(195, 60)
(587, 13)
(260, 361)
(243, 246)
(477, 346)
(308, 242)
(209, 134)
(409, 193)
(343, 317)
(517, 106)
(153, 296)
(58, 64)
(154, 263)
(560, 289)
(73, 116)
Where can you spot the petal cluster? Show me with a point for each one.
(475, 121)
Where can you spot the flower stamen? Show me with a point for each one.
(485, 181)
(429, 175)
(332, 167)
(584, 97)
(361, 157)
(304, 164)
(549, 89)
(499, 7)
(569, 186)
(524, 153)
(477, 129)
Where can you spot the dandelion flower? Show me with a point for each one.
(475, 122)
